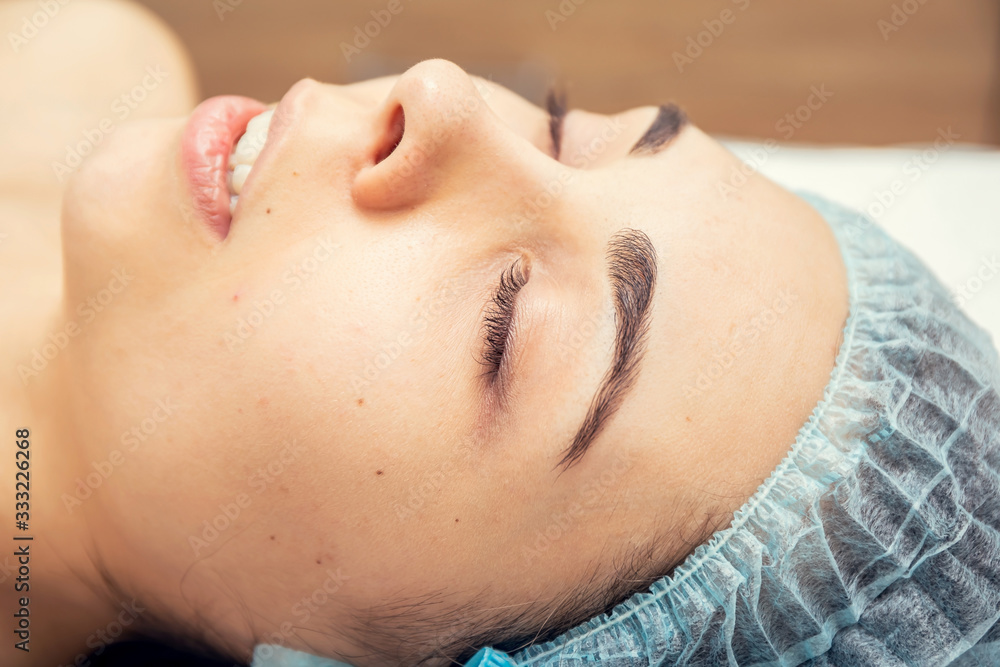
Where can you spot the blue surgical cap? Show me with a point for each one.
(876, 541)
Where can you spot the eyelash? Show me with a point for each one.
(555, 104)
(498, 323)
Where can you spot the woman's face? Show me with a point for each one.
(323, 407)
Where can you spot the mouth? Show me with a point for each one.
(245, 154)
(215, 164)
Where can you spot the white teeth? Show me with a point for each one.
(245, 154)
(238, 178)
(250, 144)
(260, 122)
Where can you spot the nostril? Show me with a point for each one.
(395, 135)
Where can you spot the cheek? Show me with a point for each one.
(310, 528)
(263, 401)
(192, 445)
(217, 393)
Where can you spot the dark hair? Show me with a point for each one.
(429, 630)
(190, 635)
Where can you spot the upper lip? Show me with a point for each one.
(284, 116)
(206, 143)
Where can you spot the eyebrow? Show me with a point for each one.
(632, 269)
(669, 122)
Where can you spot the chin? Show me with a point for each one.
(113, 199)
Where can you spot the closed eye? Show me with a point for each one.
(498, 324)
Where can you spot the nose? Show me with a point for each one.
(438, 136)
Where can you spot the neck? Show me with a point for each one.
(51, 591)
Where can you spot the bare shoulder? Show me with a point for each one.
(71, 71)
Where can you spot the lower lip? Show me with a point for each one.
(206, 143)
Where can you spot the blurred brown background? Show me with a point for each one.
(898, 70)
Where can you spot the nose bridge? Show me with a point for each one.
(444, 101)
(334, 114)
